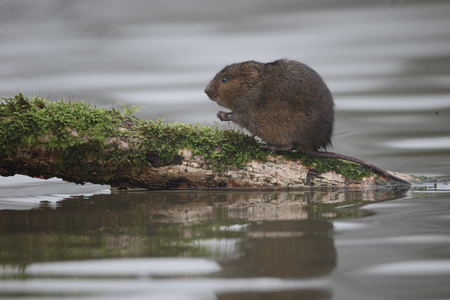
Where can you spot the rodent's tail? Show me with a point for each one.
(362, 162)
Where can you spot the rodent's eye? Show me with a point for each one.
(225, 79)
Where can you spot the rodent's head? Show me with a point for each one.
(235, 83)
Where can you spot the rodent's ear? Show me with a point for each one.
(252, 69)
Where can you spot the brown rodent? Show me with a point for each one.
(284, 102)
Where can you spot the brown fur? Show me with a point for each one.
(285, 102)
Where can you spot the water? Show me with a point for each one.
(230, 245)
(388, 66)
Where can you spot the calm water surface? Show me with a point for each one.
(388, 66)
(229, 245)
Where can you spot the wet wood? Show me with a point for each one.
(187, 171)
(80, 143)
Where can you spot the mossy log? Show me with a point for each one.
(82, 143)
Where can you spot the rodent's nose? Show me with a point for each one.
(209, 91)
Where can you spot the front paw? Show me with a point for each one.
(224, 116)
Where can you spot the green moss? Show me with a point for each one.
(220, 148)
(77, 130)
(72, 129)
(350, 170)
(80, 135)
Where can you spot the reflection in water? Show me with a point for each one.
(285, 235)
(287, 249)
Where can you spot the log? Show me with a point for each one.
(79, 142)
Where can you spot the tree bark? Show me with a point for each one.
(188, 171)
(43, 139)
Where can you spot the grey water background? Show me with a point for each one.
(387, 64)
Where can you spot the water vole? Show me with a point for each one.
(285, 103)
